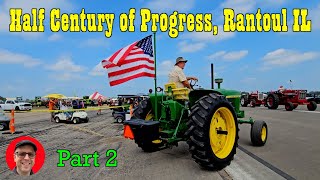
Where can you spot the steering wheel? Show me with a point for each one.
(159, 89)
(193, 83)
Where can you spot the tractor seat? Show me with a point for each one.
(178, 93)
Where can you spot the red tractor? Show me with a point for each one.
(253, 98)
(290, 99)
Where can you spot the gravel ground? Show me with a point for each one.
(100, 134)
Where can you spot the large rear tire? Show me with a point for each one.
(213, 132)
(272, 101)
(244, 101)
(144, 111)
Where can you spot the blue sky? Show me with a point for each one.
(35, 64)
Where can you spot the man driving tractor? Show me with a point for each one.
(281, 89)
(177, 75)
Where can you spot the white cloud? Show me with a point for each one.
(184, 47)
(208, 36)
(65, 76)
(249, 80)
(239, 6)
(228, 56)
(285, 57)
(161, 6)
(8, 57)
(94, 42)
(27, 5)
(164, 68)
(243, 68)
(54, 37)
(65, 64)
(246, 6)
(98, 70)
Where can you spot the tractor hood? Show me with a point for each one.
(227, 92)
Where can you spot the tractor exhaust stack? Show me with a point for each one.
(212, 77)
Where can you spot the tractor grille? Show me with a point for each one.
(260, 96)
(302, 95)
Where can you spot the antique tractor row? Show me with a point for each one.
(207, 119)
(290, 99)
(253, 99)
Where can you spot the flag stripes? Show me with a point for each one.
(133, 61)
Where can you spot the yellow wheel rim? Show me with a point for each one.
(263, 133)
(149, 116)
(222, 122)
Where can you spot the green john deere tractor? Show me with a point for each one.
(38, 101)
(207, 119)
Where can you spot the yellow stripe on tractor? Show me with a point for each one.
(234, 96)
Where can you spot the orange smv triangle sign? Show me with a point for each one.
(128, 132)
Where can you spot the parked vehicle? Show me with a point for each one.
(8, 105)
(74, 117)
(4, 121)
(290, 99)
(253, 99)
(313, 97)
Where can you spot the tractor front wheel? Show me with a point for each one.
(289, 106)
(212, 132)
(259, 133)
(312, 106)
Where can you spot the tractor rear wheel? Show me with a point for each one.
(213, 132)
(272, 101)
(144, 111)
(244, 101)
(312, 106)
(253, 103)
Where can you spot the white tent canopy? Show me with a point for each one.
(72, 98)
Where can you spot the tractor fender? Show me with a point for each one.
(194, 95)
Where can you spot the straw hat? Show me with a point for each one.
(180, 59)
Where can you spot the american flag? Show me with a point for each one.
(133, 61)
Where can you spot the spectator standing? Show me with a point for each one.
(99, 104)
(51, 107)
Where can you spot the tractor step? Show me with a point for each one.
(166, 133)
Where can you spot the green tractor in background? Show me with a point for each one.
(207, 119)
(38, 101)
(87, 101)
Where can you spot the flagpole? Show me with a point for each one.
(155, 78)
